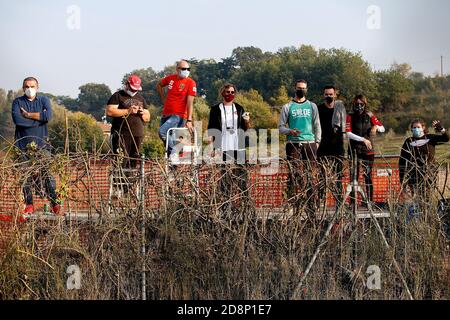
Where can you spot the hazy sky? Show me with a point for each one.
(43, 38)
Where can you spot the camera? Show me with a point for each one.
(231, 130)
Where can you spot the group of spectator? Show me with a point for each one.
(315, 134)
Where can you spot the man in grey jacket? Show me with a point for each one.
(331, 151)
(333, 119)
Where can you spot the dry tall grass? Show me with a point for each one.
(200, 244)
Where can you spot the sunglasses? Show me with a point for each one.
(185, 69)
(230, 92)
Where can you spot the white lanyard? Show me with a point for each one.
(226, 120)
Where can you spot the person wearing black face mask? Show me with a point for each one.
(331, 152)
(362, 126)
(299, 121)
(301, 93)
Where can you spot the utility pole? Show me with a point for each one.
(143, 222)
(442, 66)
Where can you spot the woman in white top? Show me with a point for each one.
(228, 122)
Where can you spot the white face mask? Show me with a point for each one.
(128, 91)
(184, 74)
(131, 93)
(30, 92)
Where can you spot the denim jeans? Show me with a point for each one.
(167, 123)
(42, 181)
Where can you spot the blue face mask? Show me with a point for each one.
(417, 132)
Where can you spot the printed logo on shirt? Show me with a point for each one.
(301, 113)
(182, 86)
(171, 84)
(420, 143)
(194, 89)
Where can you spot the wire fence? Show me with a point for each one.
(220, 232)
(85, 182)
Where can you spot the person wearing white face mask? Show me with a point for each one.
(31, 114)
(417, 158)
(178, 102)
(128, 109)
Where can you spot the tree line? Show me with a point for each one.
(265, 82)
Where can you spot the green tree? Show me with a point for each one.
(345, 70)
(394, 89)
(201, 112)
(93, 98)
(68, 102)
(152, 145)
(211, 75)
(244, 56)
(262, 116)
(281, 97)
(6, 123)
(265, 77)
(84, 133)
(269, 72)
(206, 73)
(3, 96)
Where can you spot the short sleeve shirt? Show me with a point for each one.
(178, 91)
(133, 124)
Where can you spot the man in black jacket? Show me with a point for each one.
(333, 117)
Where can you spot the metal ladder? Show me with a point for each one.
(126, 184)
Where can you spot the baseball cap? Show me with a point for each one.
(135, 82)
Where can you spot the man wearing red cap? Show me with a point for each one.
(128, 109)
(179, 102)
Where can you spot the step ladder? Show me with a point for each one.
(125, 187)
(186, 151)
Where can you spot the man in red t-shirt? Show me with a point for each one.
(178, 103)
